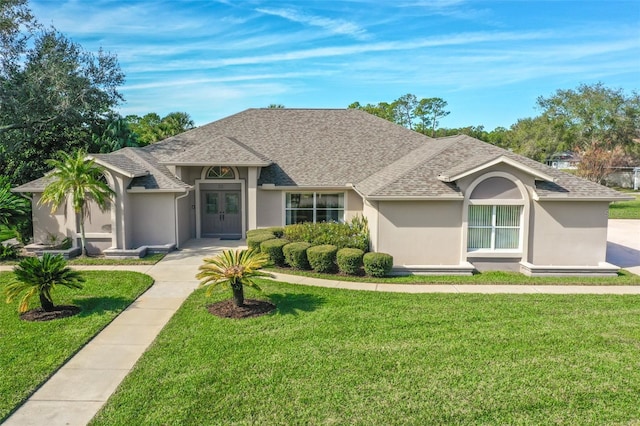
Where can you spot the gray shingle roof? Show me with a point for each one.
(331, 148)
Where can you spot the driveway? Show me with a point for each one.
(623, 244)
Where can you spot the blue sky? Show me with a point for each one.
(489, 60)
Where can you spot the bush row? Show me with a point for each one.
(325, 258)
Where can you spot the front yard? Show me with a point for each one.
(31, 351)
(332, 356)
(626, 209)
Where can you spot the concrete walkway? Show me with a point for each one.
(75, 393)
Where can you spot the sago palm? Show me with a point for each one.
(81, 180)
(36, 276)
(233, 269)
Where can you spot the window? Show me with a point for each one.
(314, 207)
(220, 172)
(494, 227)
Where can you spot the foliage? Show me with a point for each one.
(8, 251)
(349, 260)
(295, 255)
(254, 239)
(598, 162)
(322, 258)
(40, 276)
(80, 179)
(375, 358)
(54, 94)
(233, 269)
(273, 249)
(115, 134)
(278, 231)
(353, 234)
(377, 264)
(13, 208)
(151, 128)
(422, 115)
(36, 351)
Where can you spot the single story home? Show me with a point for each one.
(446, 205)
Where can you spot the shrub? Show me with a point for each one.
(322, 258)
(273, 249)
(257, 238)
(295, 255)
(8, 252)
(278, 231)
(354, 234)
(349, 260)
(377, 264)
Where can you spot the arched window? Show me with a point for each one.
(495, 216)
(220, 172)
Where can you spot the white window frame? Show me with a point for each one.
(314, 208)
(494, 205)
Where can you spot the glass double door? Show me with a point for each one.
(221, 215)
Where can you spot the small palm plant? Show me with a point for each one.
(41, 276)
(233, 269)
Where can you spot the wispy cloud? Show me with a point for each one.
(332, 25)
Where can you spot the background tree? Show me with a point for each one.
(53, 93)
(80, 180)
(13, 208)
(275, 106)
(429, 111)
(151, 128)
(115, 135)
(40, 277)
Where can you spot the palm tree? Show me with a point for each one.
(81, 179)
(41, 276)
(233, 269)
(12, 207)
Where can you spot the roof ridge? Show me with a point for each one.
(416, 163)
(248, 148)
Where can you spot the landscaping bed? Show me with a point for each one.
(31, 351)
(327, 356)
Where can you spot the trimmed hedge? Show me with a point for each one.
(322, 258)
(354, 234)
(273, 248)
(349, 260)
(295, 255)
(255, 239)
(278, 231)
(377, 264)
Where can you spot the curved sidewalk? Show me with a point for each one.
(75, 393)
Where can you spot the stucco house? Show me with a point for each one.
(446, 205)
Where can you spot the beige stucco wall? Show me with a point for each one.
(370, 212)
(186, 213)
(152, 219)
(270, 208)
(45, 223)
(568, 233)
(419, 232)
(99, 221)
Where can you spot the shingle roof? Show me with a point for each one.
(332, 148)
(309, 147)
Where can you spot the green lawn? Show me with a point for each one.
(626, 209)
(490, 277)
(151, 259)
(31, 351)
(332, 356)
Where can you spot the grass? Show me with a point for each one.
(330, 356)
(492, 277)
(31, 351)
(150, 259)
(626, 209)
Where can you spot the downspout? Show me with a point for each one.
(176, 214)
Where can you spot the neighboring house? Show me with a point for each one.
(565, 160)
(445, 205)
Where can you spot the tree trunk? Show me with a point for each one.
(83, 239)
(238, 294)
(46, 304)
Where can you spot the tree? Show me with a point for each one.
(596, 162)
(116, 135)
(430, 111)
(275, 106)
(80, 180)
(421, 115)
(151, 128)
(233, 269)
(40, 277)
(53, 93)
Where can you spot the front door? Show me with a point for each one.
(221, 216)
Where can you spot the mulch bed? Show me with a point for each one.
(252, 308)
(58, 312)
